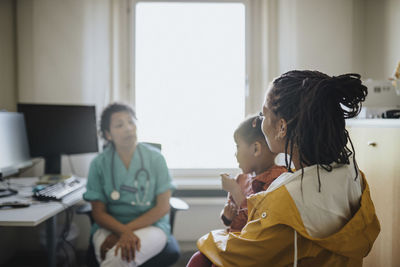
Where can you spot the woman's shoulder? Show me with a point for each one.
(153, 147)
(150, 148)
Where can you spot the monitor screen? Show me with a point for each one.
(55, 130)
(14, 150)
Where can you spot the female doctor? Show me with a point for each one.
(129, 187)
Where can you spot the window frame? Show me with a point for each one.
(251, 96)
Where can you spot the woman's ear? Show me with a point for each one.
(282, 128)
(108, 136)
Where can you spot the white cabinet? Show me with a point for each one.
(378, 156)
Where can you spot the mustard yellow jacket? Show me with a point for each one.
(274, 223)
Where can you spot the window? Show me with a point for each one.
(190, 79)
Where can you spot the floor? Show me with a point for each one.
(39, 259)
(183, 260)
(187, 250)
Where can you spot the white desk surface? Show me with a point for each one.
(38, 211)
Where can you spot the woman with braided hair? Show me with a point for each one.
(322, 214)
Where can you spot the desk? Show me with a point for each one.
(38, 212)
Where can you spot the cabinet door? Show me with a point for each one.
(378, 156)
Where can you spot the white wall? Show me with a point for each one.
(382, 38)
(7, 56)
(64, 51)
(319, 35)
(339, 36)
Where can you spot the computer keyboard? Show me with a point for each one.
(59, 190)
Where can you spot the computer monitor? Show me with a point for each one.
(55, 130)
(14, 150)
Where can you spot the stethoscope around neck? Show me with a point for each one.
(115, 195)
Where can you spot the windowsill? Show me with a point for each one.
(202, 173)
(197, 183)
(200, 179)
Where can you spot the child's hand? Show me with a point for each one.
(230, 211)
(229, 184)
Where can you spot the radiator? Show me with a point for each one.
(206, 200)
(202, 217)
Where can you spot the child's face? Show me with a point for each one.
(244, 155)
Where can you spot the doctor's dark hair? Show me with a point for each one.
(250, 130)
(105, 118)
(315, 107)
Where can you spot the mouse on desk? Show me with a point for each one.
(14, 204)
(38, 188)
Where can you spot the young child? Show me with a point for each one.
(259, 170)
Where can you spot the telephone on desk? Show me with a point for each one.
(15, 204)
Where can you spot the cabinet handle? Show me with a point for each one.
(371, 143)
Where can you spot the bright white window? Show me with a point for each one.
(190, 80)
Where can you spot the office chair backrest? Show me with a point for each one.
(156, 145)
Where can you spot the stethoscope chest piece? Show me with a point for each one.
(115, 195)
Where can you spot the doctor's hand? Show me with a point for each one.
(128, 243)
(107, 244)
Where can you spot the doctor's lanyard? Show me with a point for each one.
(115, 195)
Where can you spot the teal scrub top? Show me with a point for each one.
(131, 204)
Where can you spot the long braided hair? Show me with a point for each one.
(315, 107)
